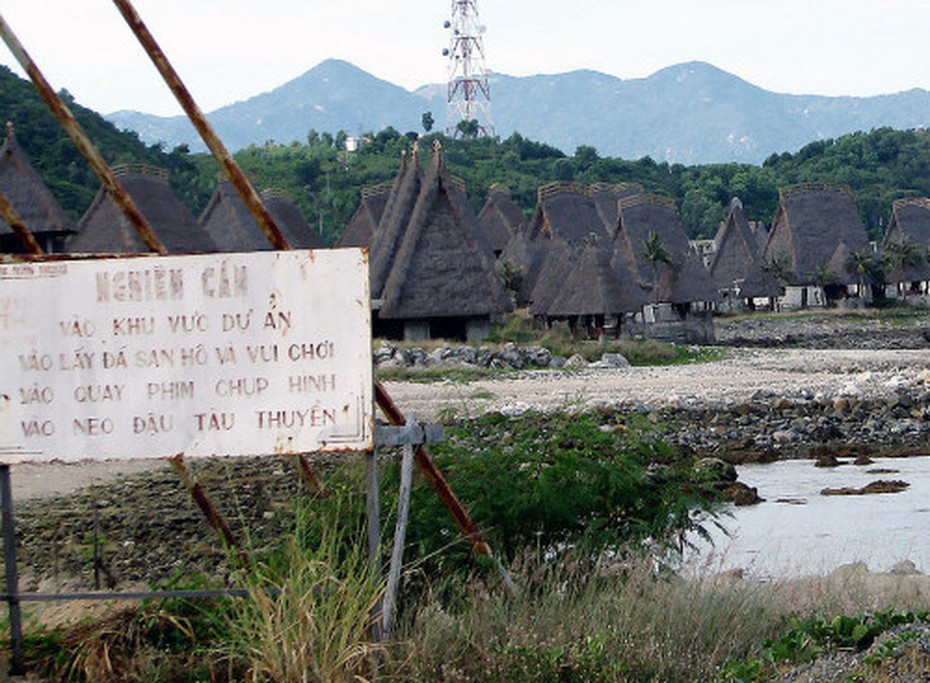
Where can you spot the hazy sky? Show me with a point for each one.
(228, 50)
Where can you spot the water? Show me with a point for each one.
(808, 533)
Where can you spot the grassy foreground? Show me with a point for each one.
(586, 511)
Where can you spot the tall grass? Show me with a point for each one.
(309, 613)
(633, 626)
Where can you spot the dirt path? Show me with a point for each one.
(796, 372)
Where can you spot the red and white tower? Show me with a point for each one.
(469, 95)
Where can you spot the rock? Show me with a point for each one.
(880, 486)
(827, 460)
(741, 495)
(863, 460)
(714, 470)
(615, 360)
(576, 361)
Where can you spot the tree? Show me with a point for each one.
(586, 154)
(468, 129)
(866, 266)
(899, 257)
(903, 255)
(655, 252)
(779, 267)
(427, 121)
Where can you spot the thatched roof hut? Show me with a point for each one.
(760, 284)
(442, 275)
(908, 230)
(910, 220)
(812, 220)
(736, 249)
(557, 265)
(395, 218)
(32, 199)
(567, 211)
(595, 288)
(361, 229)
(685, 283)
(104, 228)
(641, 215)
(499, 218)
(230, 224)
(606, 197)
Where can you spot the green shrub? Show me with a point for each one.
(556, 484)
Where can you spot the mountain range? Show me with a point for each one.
(691, 113)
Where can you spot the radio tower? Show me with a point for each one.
(469, 95)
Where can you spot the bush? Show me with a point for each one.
(556, 484)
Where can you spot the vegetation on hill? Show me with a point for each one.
(325, 180)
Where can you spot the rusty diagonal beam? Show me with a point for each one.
(253, 201)
(15, 221)
(251, 198)
(83, 142)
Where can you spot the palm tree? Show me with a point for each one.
(866, 266)
(778, 266)
(655, 251)
(902, 256)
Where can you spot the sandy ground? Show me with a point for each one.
(739, 377)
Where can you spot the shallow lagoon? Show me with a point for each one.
(797, 531)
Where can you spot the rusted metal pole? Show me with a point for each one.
(209, 510)
(233, 171)
(252, 201)
(15, 221)
(310, 477)
(83, 142)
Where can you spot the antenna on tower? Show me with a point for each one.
(469, 95)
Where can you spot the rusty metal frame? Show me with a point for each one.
(414, 440)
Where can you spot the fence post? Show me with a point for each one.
(17, 659)
(400, 538)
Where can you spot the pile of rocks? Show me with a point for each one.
(509, 357)
(770, 428)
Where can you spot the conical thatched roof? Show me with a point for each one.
(557, 265)
(361, 229)
(736, 248)
(836, 266)
(910, 224)
(910, 220)
(105, 228)
(396, 217)
(29, 195)
(527, 255)
(811, 221)
(441, 268)
(299, 232)
(687, 282)
(606, 197)
(567, 211)
(594, 287)
(230, 224)
(499, 218)
(641, 215)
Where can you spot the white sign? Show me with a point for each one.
(221, 354)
